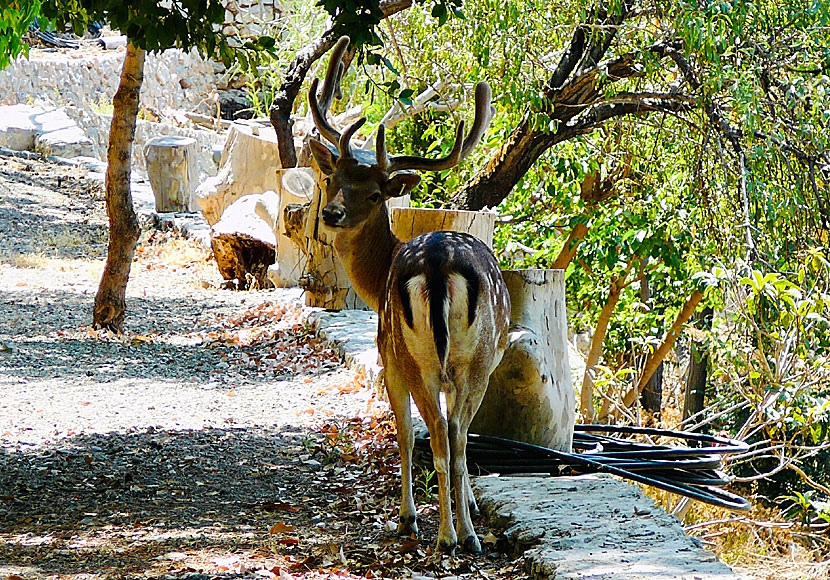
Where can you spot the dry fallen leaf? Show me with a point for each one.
(271, 506)
(281, 528)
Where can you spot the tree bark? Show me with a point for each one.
(694, 396)
(587, 392)
(658, 355)
(652, 395)
(284, 100)
(110, 301)
(530, 397)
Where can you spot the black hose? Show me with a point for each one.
(687, 471)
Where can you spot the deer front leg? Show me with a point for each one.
(399, 401)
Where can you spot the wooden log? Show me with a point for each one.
(249, 165)
(530, 397)
(409, 222)
(173, 172)
(296, 188)
(243, 243)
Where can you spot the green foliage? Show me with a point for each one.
(14, 22)
(356, 18)
(805, 508)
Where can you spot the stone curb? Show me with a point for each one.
(594, 526)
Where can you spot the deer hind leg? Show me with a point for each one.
(461, 411)
(399, 401)
(428, 405)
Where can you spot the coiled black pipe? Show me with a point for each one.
(688, 471)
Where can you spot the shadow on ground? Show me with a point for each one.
(183, 339)
(116, 502)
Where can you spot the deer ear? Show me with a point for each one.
(326, 159)
(401, 184)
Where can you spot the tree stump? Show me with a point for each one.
(324, 280)
(409, 222)
(296, 188)
(249, 165)
(173, 172)
(530, 397)
(243, 243)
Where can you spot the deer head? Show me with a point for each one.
(356, 190)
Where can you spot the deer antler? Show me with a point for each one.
(460, 150)
(331, 88)
(343, 145)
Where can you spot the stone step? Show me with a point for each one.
(48, 131)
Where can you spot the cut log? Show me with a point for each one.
(296, 188)
(244, 243)
(249, 165)
(409, 222)
(530, 397)
(173, 172)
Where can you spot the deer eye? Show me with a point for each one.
(375, 197)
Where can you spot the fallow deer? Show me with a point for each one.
(443, 308)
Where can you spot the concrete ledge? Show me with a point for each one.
(353, 332)
(594, 526)
(48, 131)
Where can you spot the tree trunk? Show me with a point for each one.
(172, 172)
(530, 396)
(410, 222)
(587, 393)
(497, 179)
(110, 301)
(296, 187)
(244, 244)
(694, 396)
(652, 396)
(658, 355)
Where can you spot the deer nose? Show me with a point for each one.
(333, 214)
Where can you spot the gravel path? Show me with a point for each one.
(181, 363)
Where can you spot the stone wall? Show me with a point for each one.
(174, 80)
(249, 18)
(96, 126)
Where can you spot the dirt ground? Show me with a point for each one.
(216, 438)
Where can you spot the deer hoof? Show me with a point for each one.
(407, 525)
(446, 546)
(471, 545)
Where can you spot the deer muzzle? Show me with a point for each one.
(333, 214)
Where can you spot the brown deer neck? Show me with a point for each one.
(367, 253)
